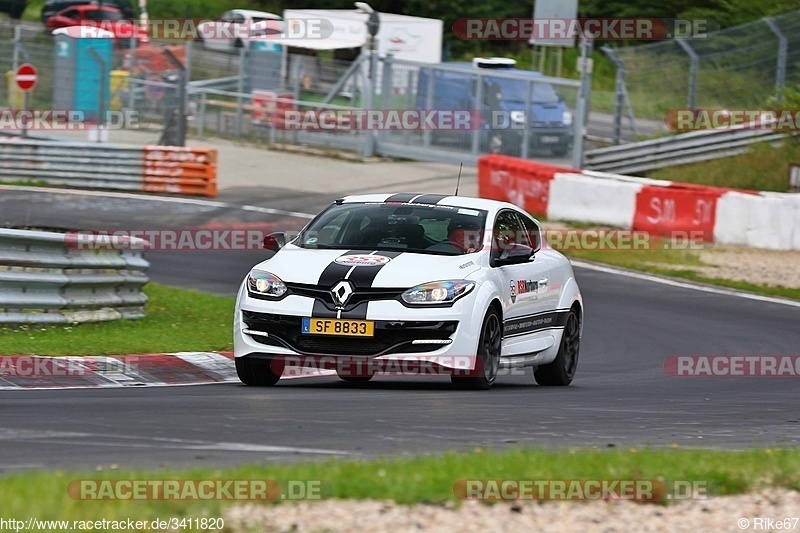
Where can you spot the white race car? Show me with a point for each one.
(415, 281)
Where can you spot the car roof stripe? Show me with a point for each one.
(402, 197)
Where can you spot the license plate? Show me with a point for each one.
(549, 139)
(338, 326)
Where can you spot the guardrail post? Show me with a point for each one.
(240, 90)
(426, 133)
(621, 101)
(369, 101)
(387, 91)
(476, 133)
(410, 100)
(182, 83)
(780, 73)
(12, 98)
(582, 112)
(694, 66)
(132, 68)
(527, 120)
(201, 118)
(101, 107)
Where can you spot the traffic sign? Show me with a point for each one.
(25, 77)
(155, 91)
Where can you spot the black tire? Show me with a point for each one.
(257, 373)
(488, 363)
(562, 370)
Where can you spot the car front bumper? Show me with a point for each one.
(409, 336)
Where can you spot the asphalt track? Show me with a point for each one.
(622, 395)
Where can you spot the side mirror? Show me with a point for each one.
(514, 254)
(275, 241)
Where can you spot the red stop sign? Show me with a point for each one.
(26, 77)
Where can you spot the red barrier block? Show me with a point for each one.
(519, 181)
(680, 210)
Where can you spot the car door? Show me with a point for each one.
(526, 286)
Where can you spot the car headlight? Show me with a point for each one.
(437, 292)
(263, 283)
(566, 118)
(517, 117)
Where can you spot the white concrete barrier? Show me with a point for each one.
(756, 220)
(589, 199)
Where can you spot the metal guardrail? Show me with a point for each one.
(677, 150)
(109, 166)
(73, 164)
(46, 280)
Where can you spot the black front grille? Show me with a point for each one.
(390, 336)
(360, 296)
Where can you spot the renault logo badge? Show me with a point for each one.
(341, 293)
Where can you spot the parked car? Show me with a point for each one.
(503, 107)
(234, 28)
(108, 18)
(14, 8)
(51, 7)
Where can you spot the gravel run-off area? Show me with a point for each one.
(726, 513)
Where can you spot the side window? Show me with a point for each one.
(507, 231)
(531, 232)
(329, 233)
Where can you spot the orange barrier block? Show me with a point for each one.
(180, 170)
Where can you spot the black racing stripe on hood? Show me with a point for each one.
(430, 198)
(332, 273)
(402, 197)
(363, 276)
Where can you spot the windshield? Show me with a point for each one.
(514, 91)
(419, 228)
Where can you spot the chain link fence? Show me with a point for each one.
(742, 67)
(247, 92)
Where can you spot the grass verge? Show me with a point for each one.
(177, 320)
(676, 263)
(413, 480)
(765, 167)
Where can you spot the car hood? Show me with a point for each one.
(297, 265)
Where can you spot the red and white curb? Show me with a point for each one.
(140, 370)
